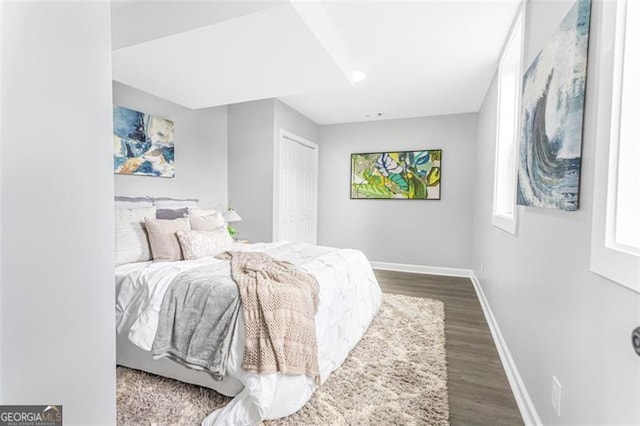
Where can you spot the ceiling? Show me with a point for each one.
(420, 58)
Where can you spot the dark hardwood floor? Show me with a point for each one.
(479, 393)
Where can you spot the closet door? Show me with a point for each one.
(296, 190)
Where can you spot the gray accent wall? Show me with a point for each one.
(254, 128)
(427, 233)
(287, 118)
(251, 167)
(200, 151)
(58, 340)
(557, 318)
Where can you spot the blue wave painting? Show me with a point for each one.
(552, 114)
(143, 144)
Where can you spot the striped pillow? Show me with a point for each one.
(132, 244)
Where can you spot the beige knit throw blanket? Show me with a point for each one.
(279, 304)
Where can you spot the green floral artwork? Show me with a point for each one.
(413, 175)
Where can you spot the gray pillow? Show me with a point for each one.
(170, 214)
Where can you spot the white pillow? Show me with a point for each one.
(197, 244)
(206, 223)
(132, 244)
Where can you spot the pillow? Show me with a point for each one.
(170, 214)
(206, 223)
(174, 203)
(162, 237)
(197, 244)
(132, 244)
(132, 202)
(197, 211)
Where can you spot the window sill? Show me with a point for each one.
(506, 223)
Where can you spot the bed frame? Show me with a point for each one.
(129, 355)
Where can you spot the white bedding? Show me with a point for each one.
(349, 299)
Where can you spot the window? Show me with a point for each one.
(624, 171)
(508, 131)
(615, 244)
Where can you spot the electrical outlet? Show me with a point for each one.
(556, 395)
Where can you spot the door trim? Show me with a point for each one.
(284, 134)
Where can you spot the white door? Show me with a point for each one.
(295, 193)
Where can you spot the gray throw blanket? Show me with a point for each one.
(197, 319)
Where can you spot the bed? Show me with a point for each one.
(349, 299)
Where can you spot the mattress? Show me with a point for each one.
(349, 299)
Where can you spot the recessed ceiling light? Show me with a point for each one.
(358, 76)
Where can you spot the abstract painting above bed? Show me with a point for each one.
(143, 144)
(552, 114)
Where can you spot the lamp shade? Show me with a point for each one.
(231, 216)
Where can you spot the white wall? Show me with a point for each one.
(254, 127)
(200, 151)
(1, 42)
(428, 232)
(58, 342)
(558, 318)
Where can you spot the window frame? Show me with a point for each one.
(608, 258)
(500, 219)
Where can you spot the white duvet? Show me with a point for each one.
(349, 299)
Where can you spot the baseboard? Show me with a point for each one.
(525, 405)
(422, 269)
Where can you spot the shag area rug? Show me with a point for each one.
(396, 374)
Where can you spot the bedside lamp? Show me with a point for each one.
(231, 216)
